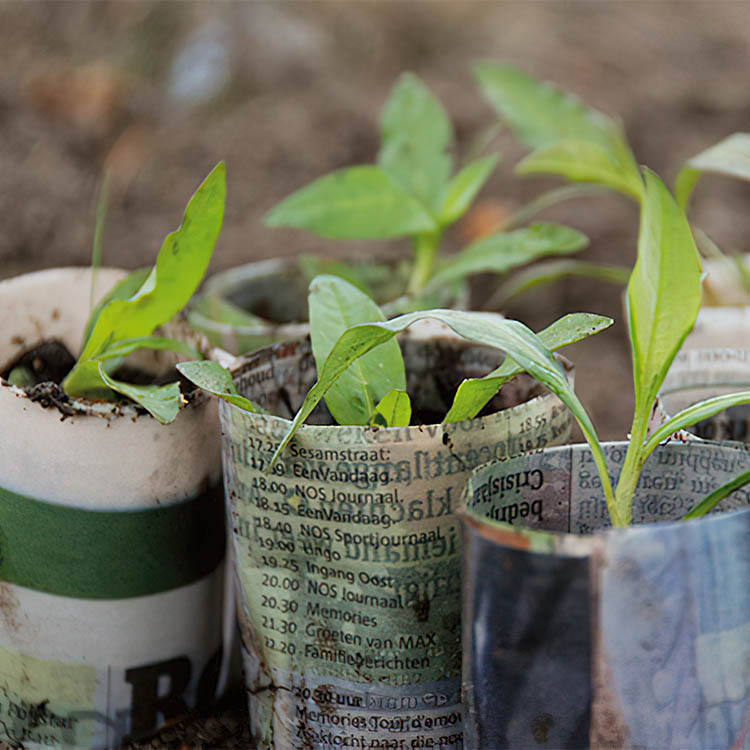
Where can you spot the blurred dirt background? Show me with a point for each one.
(158, 92)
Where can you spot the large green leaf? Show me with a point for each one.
(463, 188)
(415, 134)
(336, 305)
(354, 203)
(212, 377)
(519, 343)
(161, 401)
(581, 161)
(505, 250)
(730, 157)
(180, 267)
(664, 292)
(474, 393)
(542, 116)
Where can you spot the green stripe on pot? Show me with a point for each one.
(91, 554)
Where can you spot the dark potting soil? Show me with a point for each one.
(47, 364)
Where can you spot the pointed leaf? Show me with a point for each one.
(730, 157)
(503, 251)
(395, 409)
(694, 414)
(161, 401)
(212, 377)
(128, 346)
(336, 305)
(463, 188)
(664, 291)
(474, 393)
(580, 161)
(415, 134)
(355, 203)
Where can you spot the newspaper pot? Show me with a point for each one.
(698, 374)
(348, 550)
(112, 540)
(576, 635)
(254, 305)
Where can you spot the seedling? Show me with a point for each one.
(410, 193)
(663, 299)
(125, 320)
(575, 141)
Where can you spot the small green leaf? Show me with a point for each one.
(664, 292)
(336, 305)
(580, 161)
(415, 134)
(519, 343)
(161, 401)
(463, 188)
(355, 203)
(710, 502)
(474, 393)
(729, 157)
(21, 377)
(505, 250)
(395, 409)
(692, 415)
(212, 377)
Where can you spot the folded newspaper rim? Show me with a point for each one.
(580, 635)
(111, 546)
(348, 548)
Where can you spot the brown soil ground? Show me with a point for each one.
(89, 84)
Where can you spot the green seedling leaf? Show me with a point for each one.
(220, 311)
(474, 393)
(581, 161)
(501, 252)
(123, 289)
(664, 292)
(710, 502)
(180, 267)
(394, 410)
(161, 401)
(729, 157)
(356, 203)
(692, 415)
(551, 271)
(463, 188)
(415, 134)
(335, 305)
(576, 140)
(519, 343)
(21, 377)
(539, 113)
(212, 377)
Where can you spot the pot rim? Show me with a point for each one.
(82, 407)
(572, 544)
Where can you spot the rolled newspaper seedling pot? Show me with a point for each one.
(251, 306)
(112, 541)
(698, 374)
(579, 635)
(348, 549)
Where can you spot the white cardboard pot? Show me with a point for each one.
(578, 635)
(111, 545)
(348, 551)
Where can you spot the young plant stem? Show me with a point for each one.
(425, 252)
(630, 473)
